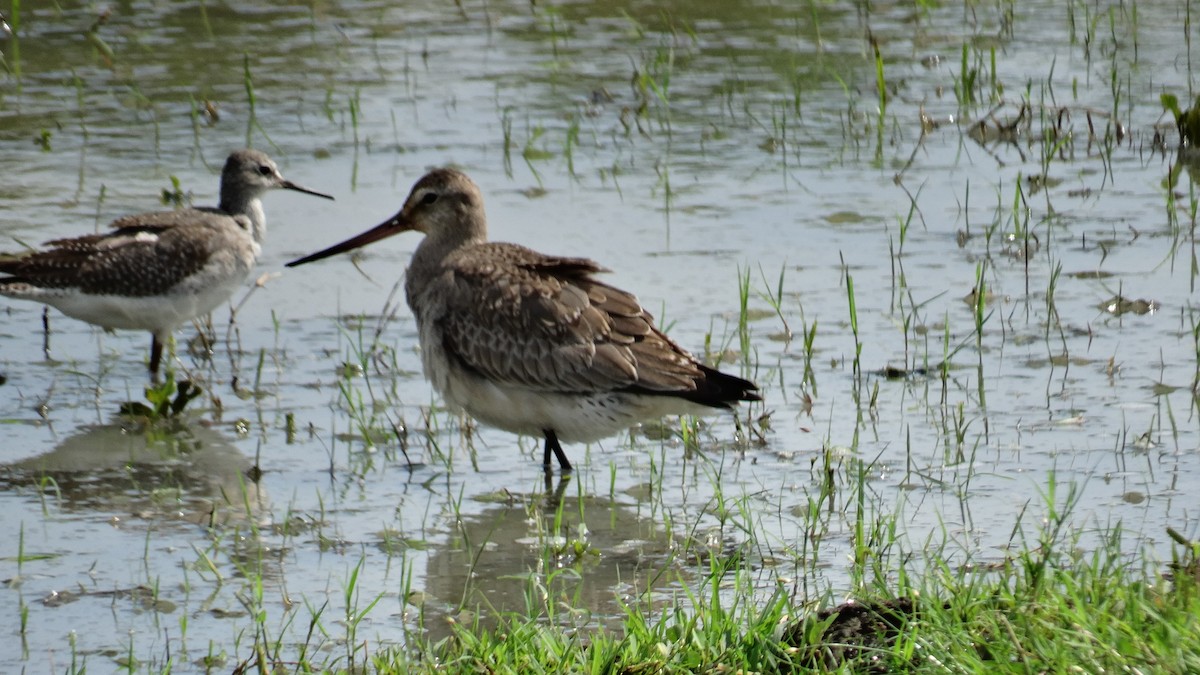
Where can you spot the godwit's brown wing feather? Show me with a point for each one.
(519, 317)
(137, 261)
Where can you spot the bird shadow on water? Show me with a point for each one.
(169, 471)
(575, 561)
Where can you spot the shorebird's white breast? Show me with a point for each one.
(197, 295)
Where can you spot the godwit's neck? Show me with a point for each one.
(427, 261)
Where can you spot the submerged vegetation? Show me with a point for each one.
(953, 243)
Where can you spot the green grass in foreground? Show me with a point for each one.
(1048, 609)
(1084, 617)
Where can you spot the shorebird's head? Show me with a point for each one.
(249, 173)
(445, 205)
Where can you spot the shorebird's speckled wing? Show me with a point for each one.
(143, 260)
(519, 317)
(190, 216)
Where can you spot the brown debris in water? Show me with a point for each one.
(1118, 305)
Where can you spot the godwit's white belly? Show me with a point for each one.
(575, 417)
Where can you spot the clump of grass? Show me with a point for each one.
(167, 400)
(1046, 607)
(1187, 120)
(175, 196)
(1088, 614)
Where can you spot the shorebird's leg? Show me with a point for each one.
(552, 445)
(156, 350)
(46, 332)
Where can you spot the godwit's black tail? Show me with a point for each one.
(721, 390)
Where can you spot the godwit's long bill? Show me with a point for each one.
(532, 343)
(156, 271)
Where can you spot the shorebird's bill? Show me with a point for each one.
(394, 225)
(289, 185)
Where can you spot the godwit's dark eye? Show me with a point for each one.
(429, 198)
(265, 170)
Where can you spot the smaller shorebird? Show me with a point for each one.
(156, 271)
(531, 343)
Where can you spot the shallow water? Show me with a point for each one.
(680, 145)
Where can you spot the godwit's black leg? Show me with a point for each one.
(552, 446)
